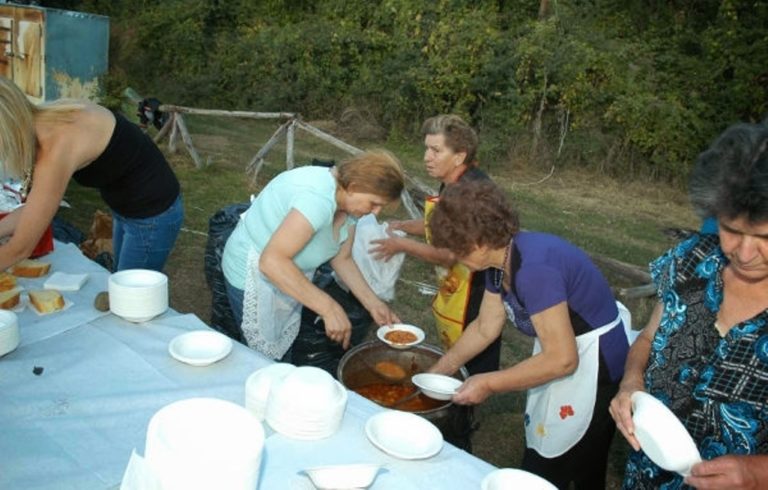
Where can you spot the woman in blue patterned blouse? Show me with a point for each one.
(704, 352)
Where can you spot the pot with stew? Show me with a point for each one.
(369, 369)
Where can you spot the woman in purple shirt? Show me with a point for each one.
(552, 291)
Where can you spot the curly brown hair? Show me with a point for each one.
(473, 214)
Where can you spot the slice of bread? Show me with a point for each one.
(46, 300)
(7, 281)
(30, 268)
(10, 298)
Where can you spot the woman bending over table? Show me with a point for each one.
(552, 291)
(47, 145)
(300, 220)
(704, 352)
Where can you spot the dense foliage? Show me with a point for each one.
(633, 87)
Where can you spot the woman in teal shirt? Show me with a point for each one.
(300, 220)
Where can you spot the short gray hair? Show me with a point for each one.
(459, 136)
(730, 178)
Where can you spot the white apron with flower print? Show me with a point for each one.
(558, 413)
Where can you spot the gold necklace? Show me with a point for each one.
(498, 275)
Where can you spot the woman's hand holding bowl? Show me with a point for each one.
(474, 390)
(621, 411)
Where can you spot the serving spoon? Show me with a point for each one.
(406, 398)
(388, 370)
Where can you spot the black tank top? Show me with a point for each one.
(133, 176)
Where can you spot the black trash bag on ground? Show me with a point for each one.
(220, 226)
(66, 232)
(312, 347)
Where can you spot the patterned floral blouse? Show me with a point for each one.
(718, 386)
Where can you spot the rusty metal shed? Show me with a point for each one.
(52, 53)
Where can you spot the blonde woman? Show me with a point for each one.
(303, 218)
(47, 145)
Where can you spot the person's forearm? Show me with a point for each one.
(634, 367)
(529, 373)
(9, 222)
(470, 343)
(425, 252)
(412, 227)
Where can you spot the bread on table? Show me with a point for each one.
(7, 281)
(10, 299)
(30, 268)
(46, 300)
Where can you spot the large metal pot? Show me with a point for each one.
(356, 370)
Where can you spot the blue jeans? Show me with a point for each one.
(235, 296)
(145, 243)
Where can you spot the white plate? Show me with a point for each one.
(510, 478)
(662, 435)
(382, 331)
(437, 386)
(200, 348)
(404, 435)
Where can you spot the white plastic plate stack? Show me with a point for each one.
(9, 332)
(260, 383)
(204, 443)
(138, 295)
(307, 404)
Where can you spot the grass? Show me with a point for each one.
(621, 220)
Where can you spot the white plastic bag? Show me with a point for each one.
(379, 274)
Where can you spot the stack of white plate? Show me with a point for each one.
(9, 332)
(307, 404)
(138, 295)
(204, 443)
(259, 385)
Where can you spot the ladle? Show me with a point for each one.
(406, 399)
(389, 370)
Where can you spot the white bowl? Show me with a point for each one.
(260, 383)
(200, 347)
(310, 386)
(204, 443)
(662, 436)
(513, 479)
(307, 404)
(138, 295)
(404, 435)
(437, 386)
(343, 476)
(9, 332)
(384, 330)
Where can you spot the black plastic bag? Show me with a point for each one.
(220, 226)
(312, 347)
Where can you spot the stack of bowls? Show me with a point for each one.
(138, 295)
(9, 332)
(204, 443)
(260, 384)
(307, 404)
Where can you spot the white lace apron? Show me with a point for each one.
(271, 318)
(558, 413)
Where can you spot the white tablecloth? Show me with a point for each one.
(74, 425)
